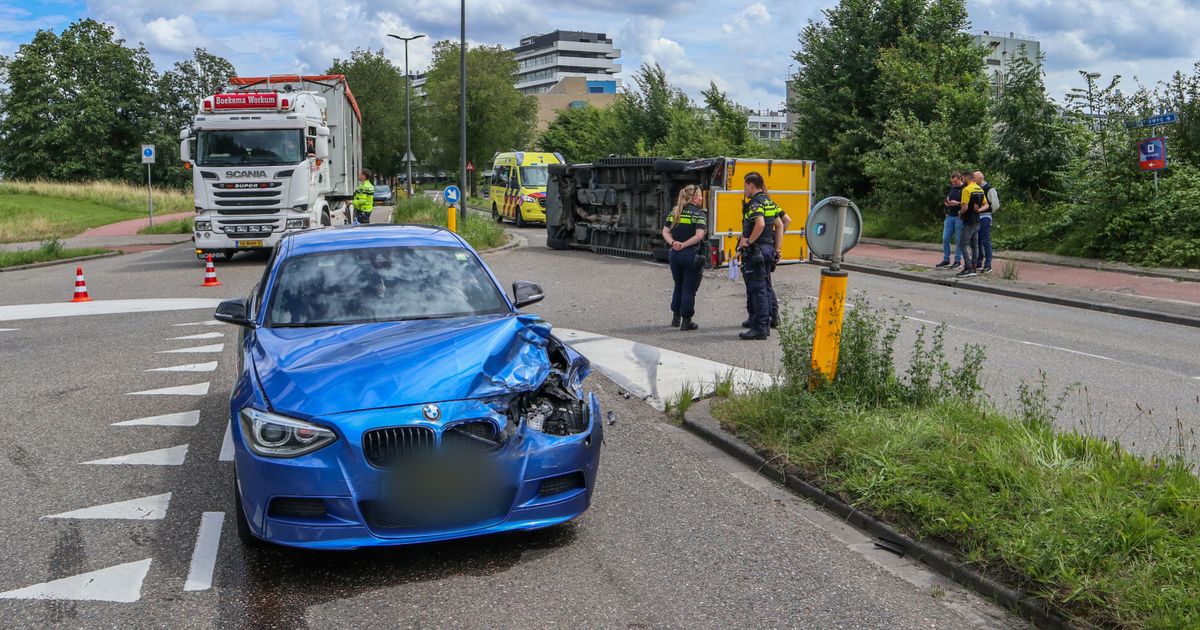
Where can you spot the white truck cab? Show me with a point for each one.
(269, 156)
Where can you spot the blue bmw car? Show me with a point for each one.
(389, 392)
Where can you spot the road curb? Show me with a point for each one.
(61, 261)
(1114, 309)
(514, 241)
(700, 422)
(1026, 257)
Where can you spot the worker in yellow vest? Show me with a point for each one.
(364, 197)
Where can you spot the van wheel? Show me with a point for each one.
(521, 217)
(496, 214)
(552, 240)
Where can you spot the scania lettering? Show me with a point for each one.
(272, 155)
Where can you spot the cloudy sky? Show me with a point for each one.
(745, 46)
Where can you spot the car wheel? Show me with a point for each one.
(496, 214)
(243, 526)
(521, 218)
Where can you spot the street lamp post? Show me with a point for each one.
(408, 156)
(462, 107)
(1091, 82)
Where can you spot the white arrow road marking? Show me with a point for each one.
(655, 374)
(102, 307)
(199, 389)
(122, 583)
(216, 347)
(183, 419)
(172, 456)
(204, 558)
(211, 322)
(190, 367)
(210, 335)
(152, 508)
(227, 445)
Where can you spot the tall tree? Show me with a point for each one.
(870, 60)
(499, 118)
(178, 93)
(378, 86)
(1032, 138)
(77, 106)
(583, 134)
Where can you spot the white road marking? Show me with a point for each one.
(216, 347)
(655, 374)
(208, 335)
(8, 329)
(172, 456)
(102, 307)
(152, 508)
(1020, 341)
(184, 419)
(227, 445)
(924, 321)
(199, 389)
(190, 367)
(204, 558)
(211, 322)
(121, 583)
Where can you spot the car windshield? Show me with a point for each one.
(245, 147)
(382, 189)
(534, 176)
(382, 284)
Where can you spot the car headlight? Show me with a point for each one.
(528, 198)
(297, 223)
(203, 226)
(273, 435)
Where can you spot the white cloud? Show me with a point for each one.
(749, 19)
(177, 34)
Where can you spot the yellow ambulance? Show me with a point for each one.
(518, 186)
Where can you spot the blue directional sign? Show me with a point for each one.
(1153, 121)
(452, 194)
(147, 154)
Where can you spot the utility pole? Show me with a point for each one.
(408, 155)
(462, 107)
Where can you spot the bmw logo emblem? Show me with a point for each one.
(431, 412)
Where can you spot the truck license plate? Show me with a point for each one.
(240, 244)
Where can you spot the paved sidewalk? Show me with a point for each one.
(122, 236)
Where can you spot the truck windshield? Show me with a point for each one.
(534, 176)
(381, 284)
(259, 146)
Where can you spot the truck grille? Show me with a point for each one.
(247, 197)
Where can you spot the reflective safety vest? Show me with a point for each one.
(364, 197)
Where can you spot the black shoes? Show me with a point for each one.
(753, 335)
(775, 323)
(688, 324)
(747, 324)
(675, 320)
(965, 273)
(944, 263)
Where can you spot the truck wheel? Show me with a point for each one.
(225, 255)
(326, 220)
(553, 242)
(496, 214)
(521, 218)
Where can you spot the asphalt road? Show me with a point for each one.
(678, 535)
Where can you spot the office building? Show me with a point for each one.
(1002, 49)
(769, 125)
(544, 60)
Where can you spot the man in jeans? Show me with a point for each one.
(952, 224)
(983, 254)
(972, 203)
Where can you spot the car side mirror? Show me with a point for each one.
(234, 312)
(526, 293)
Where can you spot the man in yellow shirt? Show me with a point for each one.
(973, 202)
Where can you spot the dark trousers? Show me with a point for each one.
(756, 272)
(983, 252)
(687, 275)
(970, 244)
(362, 217)
(771, 290)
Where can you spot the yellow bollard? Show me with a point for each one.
(827, 337)
(452, 219)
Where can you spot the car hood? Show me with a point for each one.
(309, 372)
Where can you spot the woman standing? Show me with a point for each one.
(684, 231)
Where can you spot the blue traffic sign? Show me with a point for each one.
(147, 154)
(1153, 121)
(452, 194)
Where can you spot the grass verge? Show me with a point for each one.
(1107, 538)
(50, 250)
(39, 210)
(480, 232)
(177, 226)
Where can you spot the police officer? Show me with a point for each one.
(685, 230)
(777, 221)
(757, 249)
(364, 197)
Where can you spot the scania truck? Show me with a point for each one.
(272, 155)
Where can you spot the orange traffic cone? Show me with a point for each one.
(210, 274)
(81, 294)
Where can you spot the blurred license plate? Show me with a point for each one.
(247, 244)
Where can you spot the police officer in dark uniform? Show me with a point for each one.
(757, 249)
(685, 230)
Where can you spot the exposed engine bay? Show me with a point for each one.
(557, 407)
